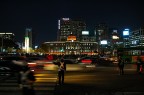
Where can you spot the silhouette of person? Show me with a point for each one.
(139, 64)
(61, 71)
(121, 65)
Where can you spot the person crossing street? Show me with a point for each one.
(61, 71)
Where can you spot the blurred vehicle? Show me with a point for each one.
(87, 60)
(114, 60)
(105, 61)
(38, 63)
(72, 66)
(8, 65)
(72, 58)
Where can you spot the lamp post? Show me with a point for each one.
(1, 43)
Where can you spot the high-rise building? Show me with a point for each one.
(101, 32)
(67, 26)
(102, 37)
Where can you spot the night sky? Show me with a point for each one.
(42, 15)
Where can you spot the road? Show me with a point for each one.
(103, 81)
(99, 81)
(44, 85)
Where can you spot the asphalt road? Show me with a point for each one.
(99, 81)
(103, 81)
(44, 85)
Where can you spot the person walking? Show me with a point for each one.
(61, 71)
(121, 65)
(26, 80)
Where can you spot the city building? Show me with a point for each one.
(67, 26)
(102, 37)
(71, 46)
(114, 41)
(7, 40)
(137, 38)
(28, 40)
(126, 39)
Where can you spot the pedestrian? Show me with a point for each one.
(61, 71)
(139, 65)
(26, 81)
(121, 65)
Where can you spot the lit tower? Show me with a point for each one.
(28, 39)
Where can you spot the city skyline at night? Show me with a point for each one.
(42, 16)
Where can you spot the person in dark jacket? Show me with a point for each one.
(61, 71)
(121, 65)
(26, 80)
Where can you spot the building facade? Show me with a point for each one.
(67, 26)
(7, 40)
(71, 46)
(137, 38)
(102, 37)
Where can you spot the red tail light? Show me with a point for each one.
(86, 61)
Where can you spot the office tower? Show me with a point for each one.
(67, 26)
(102, 37)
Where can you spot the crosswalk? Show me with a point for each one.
(44, 85)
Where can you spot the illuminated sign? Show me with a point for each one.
(115, 37)
(115, 31)
(65, 18)
(71, 38)
(85, 32)
(126, 32)
(103, 42)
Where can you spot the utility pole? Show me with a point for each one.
(1, 43)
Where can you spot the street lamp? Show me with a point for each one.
(1, 43)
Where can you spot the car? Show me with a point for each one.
(87, 60)
(40, 63)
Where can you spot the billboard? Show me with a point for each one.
(103, 42)
(85, 32)
(115, 37)
(70, 38)
(126, 32)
